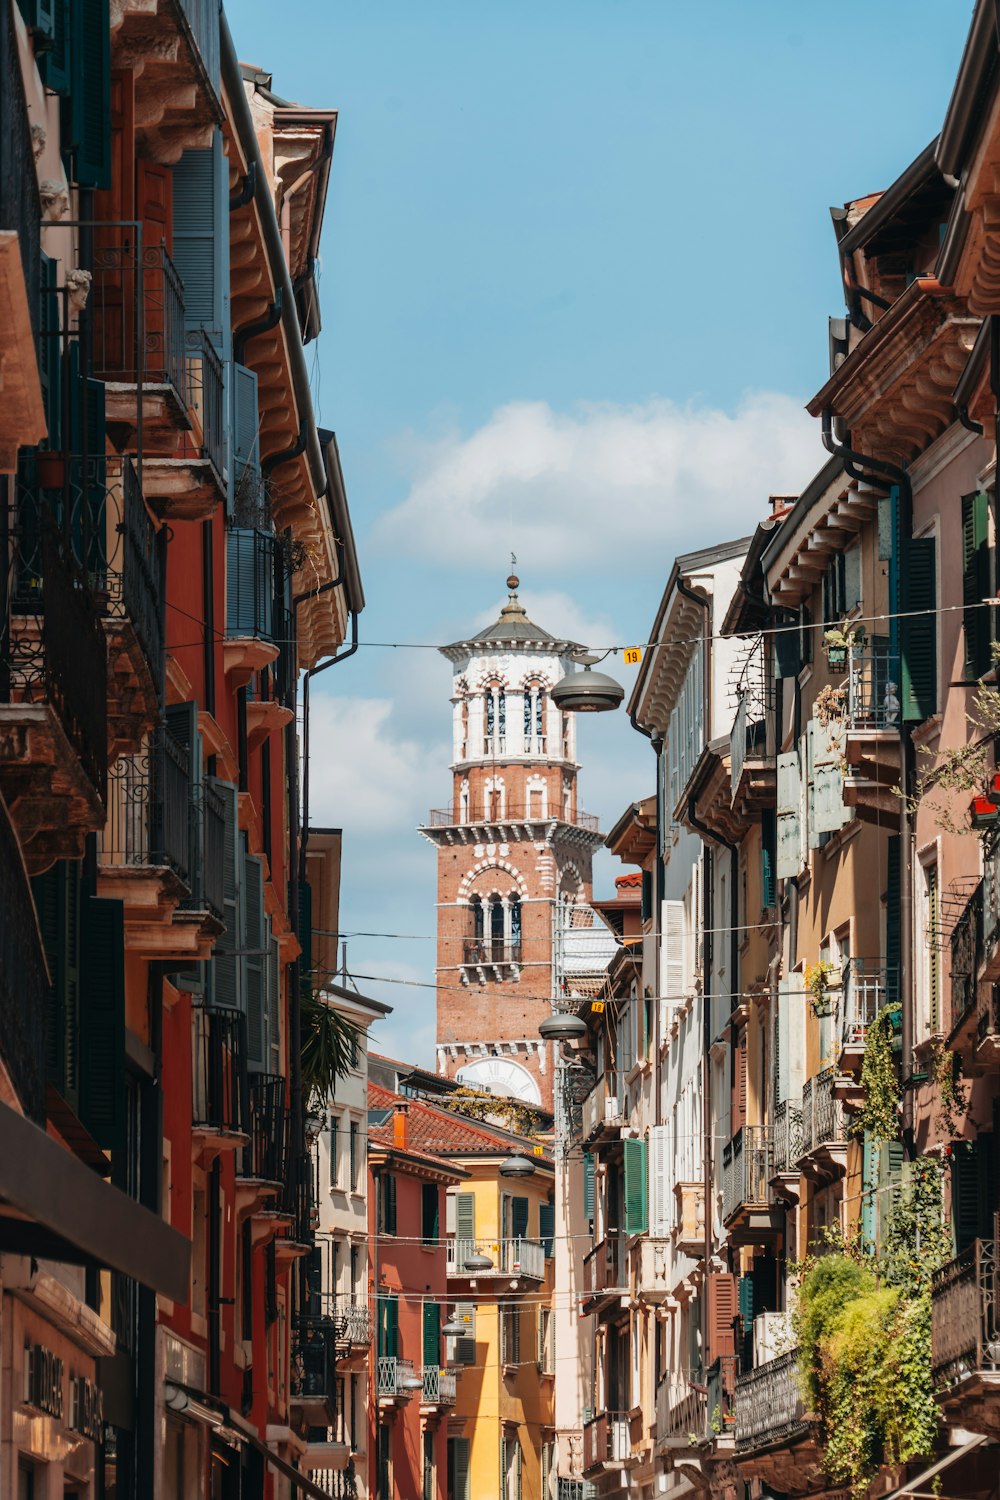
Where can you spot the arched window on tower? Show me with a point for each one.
(534, 718)
(497, 935)
(475, 936)
(496, 719)
(514, 908)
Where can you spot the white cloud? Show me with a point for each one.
(558, 613)
(365, 776)
(602, 485)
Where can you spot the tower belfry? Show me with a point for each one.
(514, 855)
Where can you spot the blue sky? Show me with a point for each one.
(576, 270)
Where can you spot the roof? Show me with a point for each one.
(340, 992)
(918, 195)
(513, 628)
(440, 1132)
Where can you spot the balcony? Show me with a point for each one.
(175, 53)
(772, 1428)
(352, 1321)
(786, 1135)
(297, 1207)
(655, 1275)
(752, 740)
(54, 707)
(606, 1442)
(721, 1400)
(136, 306)
(603, 1110)
(506, 822)
(262, 1161)
(824, 1134)
(24, 981)
(512, 1258)
(440, 1386)
(605, 1272)
(689, 1226)
(340, 1484)
(313, 1371)
(395, 1379)
(486, 953)
(872, 733)
(746, 1175)
(966, 964)
(220, 1107)
(681, 1419)
(965, 1338)
(868, 987)
(251, 557)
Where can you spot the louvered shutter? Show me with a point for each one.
(54, 64)
(768, 859)
(253, 888)
(89, 114)
(893, 951)
(647, 895)
(785, 646)
(464, 1347)
(201, 239)
(964, 1194)
(465, 1216)
(739, 1091)
(588, 1185)
(826, 754)
(57, 901)
(636, 1211)
(273, 978)
(975, 584)
(389, 1182)
(890, 1175)
(519, 1218)
(246, 422)
(674, 975)
(182, 723)
(933, 938)
(782, 1040)
(869, 1188)
(459, 1453)
(432, 1334)
(788, 859)
(746, 1300)
(547, 1226)
(227, 964)
(102, 1022)
(918, 630)
(721, 1314)
(389, 1326)
(986, 1160)
(660, 1207)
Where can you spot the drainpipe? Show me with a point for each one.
(244, 193)
(268, 465)
(900, 477)
(263, 324)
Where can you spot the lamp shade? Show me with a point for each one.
(562, 1027)
(517, 1166)
(411, 1383)
(454, 1329)
(587, 692)
(478, 1263)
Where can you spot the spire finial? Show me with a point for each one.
(513, 580)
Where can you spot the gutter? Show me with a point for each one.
(965, 111)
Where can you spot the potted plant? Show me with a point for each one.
(837, 642)
(820, 978)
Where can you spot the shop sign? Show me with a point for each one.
(88, 1408)
(43, 1384)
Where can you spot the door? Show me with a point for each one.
(114, 285)
(154, 203)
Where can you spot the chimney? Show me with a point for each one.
(399, 1114)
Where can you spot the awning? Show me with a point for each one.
(921, 1488)
(55, 1207)
(199, 1408)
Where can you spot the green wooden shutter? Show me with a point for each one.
(273, 1003)
(227, 964)
(788, 818)
(547, 1226)
(201, 239)
(388, 1326)
(890, 1175)
(432, 1333)
(253, 886)
(38, 17)
(768, 858)
(459, 1467)
(745, 1289)
(986, 1162)
(869, 1179)
(465, 1216)
(918, 631)
(588, 1185)
(89, 112)
(975, 584)
(964, 1194)
(102, 1022)
(636, 1212)
(389, 1200)
(54, 64)
(519, 1218)
(893, 950)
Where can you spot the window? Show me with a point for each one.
(496, 719)
(430, 1486)
(382, 1440)
(387, 1203)
(429, 1213)
(511, 1468)
(334, 1151)
(930, 946)
(975, 584)
(355, 1264)
(510, 1336)
(354, 1153)
(545, 1362)
(458, 1468)
(514, 909)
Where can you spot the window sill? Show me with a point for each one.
(510, 1371)
(843, 836)
(637, 1070)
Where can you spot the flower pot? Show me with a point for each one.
(51, 470)
(822, 1007)
(836, 658)
(984, 812)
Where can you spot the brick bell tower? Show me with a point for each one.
(514, 856)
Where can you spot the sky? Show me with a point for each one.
(577, 266)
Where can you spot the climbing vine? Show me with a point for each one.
(477, 1104)
(879, 1113)
(951, 1092)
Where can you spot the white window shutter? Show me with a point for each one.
(829, 812)
(660, 1215)
(789, 818)
(673, 935)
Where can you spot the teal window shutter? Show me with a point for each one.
(201, 239)
(54, 64)
(388, 1326)
(253, 888)
(918, 631)
(890, 1175)
(547, 1226)
(869, 1182)
(227, 962)
(788, 830)
(636, 1211)
(768, 858)
(975, 584)
(519, 1218)
(745, 1286)
(432, 1333)
(964, 1194)
(588, 1185)
(246, 423)
(249, 582)
(89, 100)
(57, 901)
(102, 1022)
(786, 645)
(39, 18)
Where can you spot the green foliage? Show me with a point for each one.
(478, 1104)
(916, 1241)
(879, 1114)
(951, 1092)
(328, 1041)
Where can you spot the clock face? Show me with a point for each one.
(503, 1076)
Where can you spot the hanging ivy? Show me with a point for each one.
(951, 1092)
(879, 1113)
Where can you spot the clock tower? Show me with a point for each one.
(514, 860)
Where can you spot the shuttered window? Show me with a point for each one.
(201, 239)
(673, 941)
(102, 1022)
(519, 1218)
(788, 834)
(388, 1326)
(227, 961)
(458, 1468)
(826, 779)
(588, 1185)
(721, 1315)
(255, 1007)
(387, 1203)
(892, 940)
(465, 1216)
(660, 1205)
(432, 1333)
(89, 114)
(636, 1211)
(975, 584)
(973, 1190)
(464, 1347)
(933, 941)
(918, 630)
(768, 858)
(57, 901)
(246, 422)
(547, 1226)
(429, 1213)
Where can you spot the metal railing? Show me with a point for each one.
(440, 1386)
(490, 951)
(351, 1318)
(206, 393)
(746, 1169)
(24, 983)
(604, 1104)
(967, 955)
(313, 1363)
(447, 817)
(680, 1411)
(150, 802)
(297, 1199)
(574, 1489)
(787, 1135)
(606, 1439)
(391, 1372)
(965, 1326)
(510, 1257)
(872, 687)
(721, 1399)
(213, 811)
(250, 575)
(75, 658)
(769, 1406)
(220, 1076)
(753, 733)
(136, 306)
(868, 987)
(137, 590)
(340, 1484)
(822, 1114)
(263, 1158)
(604, 1267)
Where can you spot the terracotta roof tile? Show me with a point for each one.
(443, 1131)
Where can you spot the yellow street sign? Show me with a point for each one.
(632, 655)
(596, 1006)
(538, 1150)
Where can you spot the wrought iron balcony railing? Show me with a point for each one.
(769, 1406)
(263, 1158)
(822, 1114)
(490, 951)
(965, 1318)
(440, 1386)
(967, 956)
(869, 985)
(872, 687)
(786, 1134)
(24, 983)
(207, 395)
(220, 1101)
(297, 1198)
(151, 805)
(746, 1170)
(340, 1484)
(313, 1365)
(510, 812)
(753, 735)
(20, 207)
(606, 1440)
(136, 305)
(352, 1320)
(392, 1375)
(510, 1257)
